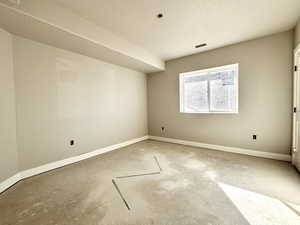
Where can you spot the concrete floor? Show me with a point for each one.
(197, 186)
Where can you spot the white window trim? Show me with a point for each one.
(205, 72)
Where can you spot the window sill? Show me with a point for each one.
(210, 112)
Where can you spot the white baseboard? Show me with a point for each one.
(268, 155)
(50, 166)
(54, 165)
(9, 182)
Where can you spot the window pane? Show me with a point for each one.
(222, 93)
(195, 96)
(212, 90)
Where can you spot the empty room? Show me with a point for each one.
(150, 112)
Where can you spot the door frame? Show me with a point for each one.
(296, 102)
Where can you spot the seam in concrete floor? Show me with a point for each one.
(120, 193)
(134, 175)
(137, 175)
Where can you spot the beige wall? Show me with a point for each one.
(87, 38)
(8, 143)
(63, 96)
(265, 97)
(297, 34)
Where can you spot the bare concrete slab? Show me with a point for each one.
(197, 186)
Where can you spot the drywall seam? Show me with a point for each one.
(268, 155)
(54, 165)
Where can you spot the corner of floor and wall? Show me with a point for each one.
(265, 97)
(51, 97)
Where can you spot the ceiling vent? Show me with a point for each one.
(201, 45)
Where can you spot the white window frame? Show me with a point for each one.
(230, 67)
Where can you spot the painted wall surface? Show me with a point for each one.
(63, 96)
(265, 97)
(114, 48)
(297, 34)
(8, 142)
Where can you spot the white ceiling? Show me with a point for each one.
(49, 23)
(187, 23)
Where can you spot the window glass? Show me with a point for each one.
(212, 90)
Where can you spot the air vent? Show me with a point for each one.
(201, 45)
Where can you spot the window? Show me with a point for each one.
(213, 90)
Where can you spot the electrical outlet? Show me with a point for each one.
(254, 137)
(72, 143)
